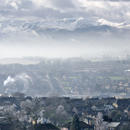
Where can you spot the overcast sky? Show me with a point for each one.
(112, 10)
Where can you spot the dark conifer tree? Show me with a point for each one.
(75, 123)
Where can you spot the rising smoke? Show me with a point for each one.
(21, 81)
(9, 81)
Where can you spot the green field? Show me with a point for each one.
(75, 77)
(67, 88)
(116, 78)
(96, 60)
(64, 82)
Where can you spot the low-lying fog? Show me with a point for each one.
(47, 46)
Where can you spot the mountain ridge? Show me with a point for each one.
(63, 24)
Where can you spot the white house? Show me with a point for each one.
(108, 106)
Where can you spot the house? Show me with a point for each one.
(1, 112)
(88, 120)
(5, 127)
(6, 102)
(28, 98)
(110, 99)
(45, 127)
(97, 107)
(83, 126)
(94, 108)
(42, 120)
(90, 111)
(108, 106)
(79, 110)
(127, 112)
(113, 126)
(94, 101)
(77, 102)
(11, 100)
(122, 103)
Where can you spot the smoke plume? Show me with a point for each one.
(20, 80)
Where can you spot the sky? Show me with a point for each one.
(112, 10)
(21, 11)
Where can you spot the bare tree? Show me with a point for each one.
(23, 118)
(31, 108)
(61, 114)
(57, 115)
(17, 119)
(98, 122)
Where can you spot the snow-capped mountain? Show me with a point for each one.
(61, 24)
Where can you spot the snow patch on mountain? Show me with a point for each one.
(66, 24)
(125, 25)
(69, 24)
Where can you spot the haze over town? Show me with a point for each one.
(50, 32)
(64, 65)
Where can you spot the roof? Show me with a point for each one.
(45, 127)
(93, 98)
(123, 102)
(113, 124)
(89, 118)
(42, 98)
(5, 126)
(108, 103)
(109, 98)
(76, 99)
(128, 109)
(81, 124)
(28, 98)
(80, 108)
(11, 99)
